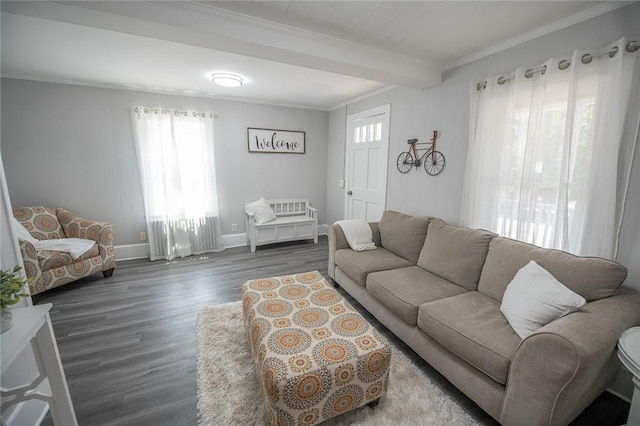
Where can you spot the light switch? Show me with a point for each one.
(341, 183)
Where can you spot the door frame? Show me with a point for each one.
(351, 119)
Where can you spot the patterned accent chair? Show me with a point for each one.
(51, 269)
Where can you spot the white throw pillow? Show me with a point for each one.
(358, 234)
(262, 211)
(22, 232)
(534, 298)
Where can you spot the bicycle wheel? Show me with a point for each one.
(434, 163)
(404, 162)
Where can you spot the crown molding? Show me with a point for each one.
(170, 92)
(593, 12)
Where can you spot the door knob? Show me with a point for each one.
(349, 193)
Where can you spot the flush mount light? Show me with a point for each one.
(226, 79)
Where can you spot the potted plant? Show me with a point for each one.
(11, 285)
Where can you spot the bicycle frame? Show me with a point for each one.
(432, 160)
(430, 150)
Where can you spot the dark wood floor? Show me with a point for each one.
(127, 343)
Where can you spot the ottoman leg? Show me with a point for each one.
(374, 404)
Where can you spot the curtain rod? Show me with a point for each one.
(176, 112)
(587, 58)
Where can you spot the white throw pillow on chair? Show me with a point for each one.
(261, 210)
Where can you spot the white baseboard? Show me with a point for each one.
(235, 240)
(141, 251)
(131, 251)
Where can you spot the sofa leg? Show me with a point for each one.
(335, 284)
(108, 272)
(374, 404)
(35, 298)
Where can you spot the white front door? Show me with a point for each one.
(366, 154)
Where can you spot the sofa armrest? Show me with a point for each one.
(31, 264)
(558, 370)
(337, 241)
(75, 226)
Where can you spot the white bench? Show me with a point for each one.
(296, 220)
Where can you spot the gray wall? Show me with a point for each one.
(72, 146)
(414, 114)
(335, 167)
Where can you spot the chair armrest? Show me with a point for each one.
(250, 220)
(75, 226)
(31, 264)
(558, 370)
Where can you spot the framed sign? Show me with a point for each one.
(275, 141)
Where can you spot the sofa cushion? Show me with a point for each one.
(402, 234)
(455, 253)
(358, 264)
(51, 259)
(402, 291)
(591, 277)
(471, 326)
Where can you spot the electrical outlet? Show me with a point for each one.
(234, 227)
(143, 236)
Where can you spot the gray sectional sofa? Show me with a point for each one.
(439, 287)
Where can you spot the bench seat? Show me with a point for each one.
(295, 220)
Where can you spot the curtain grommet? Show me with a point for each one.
(564, 64)
(613, 52)
(528, 73)
(587, 58)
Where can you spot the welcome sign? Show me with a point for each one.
(276, 141)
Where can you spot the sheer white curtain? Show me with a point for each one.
(546, 159)
(175, 152)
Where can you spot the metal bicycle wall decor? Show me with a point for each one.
(433, 161)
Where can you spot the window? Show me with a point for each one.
(543, 162)
(175, 152)
(368, 133)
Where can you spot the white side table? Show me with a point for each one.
(32, 325)
(629, 354)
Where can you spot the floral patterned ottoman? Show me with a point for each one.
(315, 356)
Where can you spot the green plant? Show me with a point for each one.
(11, 284)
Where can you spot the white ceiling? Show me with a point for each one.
(311, 54)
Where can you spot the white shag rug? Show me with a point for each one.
(228, 392)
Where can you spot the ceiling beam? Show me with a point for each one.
(213, 28)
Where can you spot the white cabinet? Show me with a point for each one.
(629, 354)
(32, 326)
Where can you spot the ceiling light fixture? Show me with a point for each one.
(226, 79)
